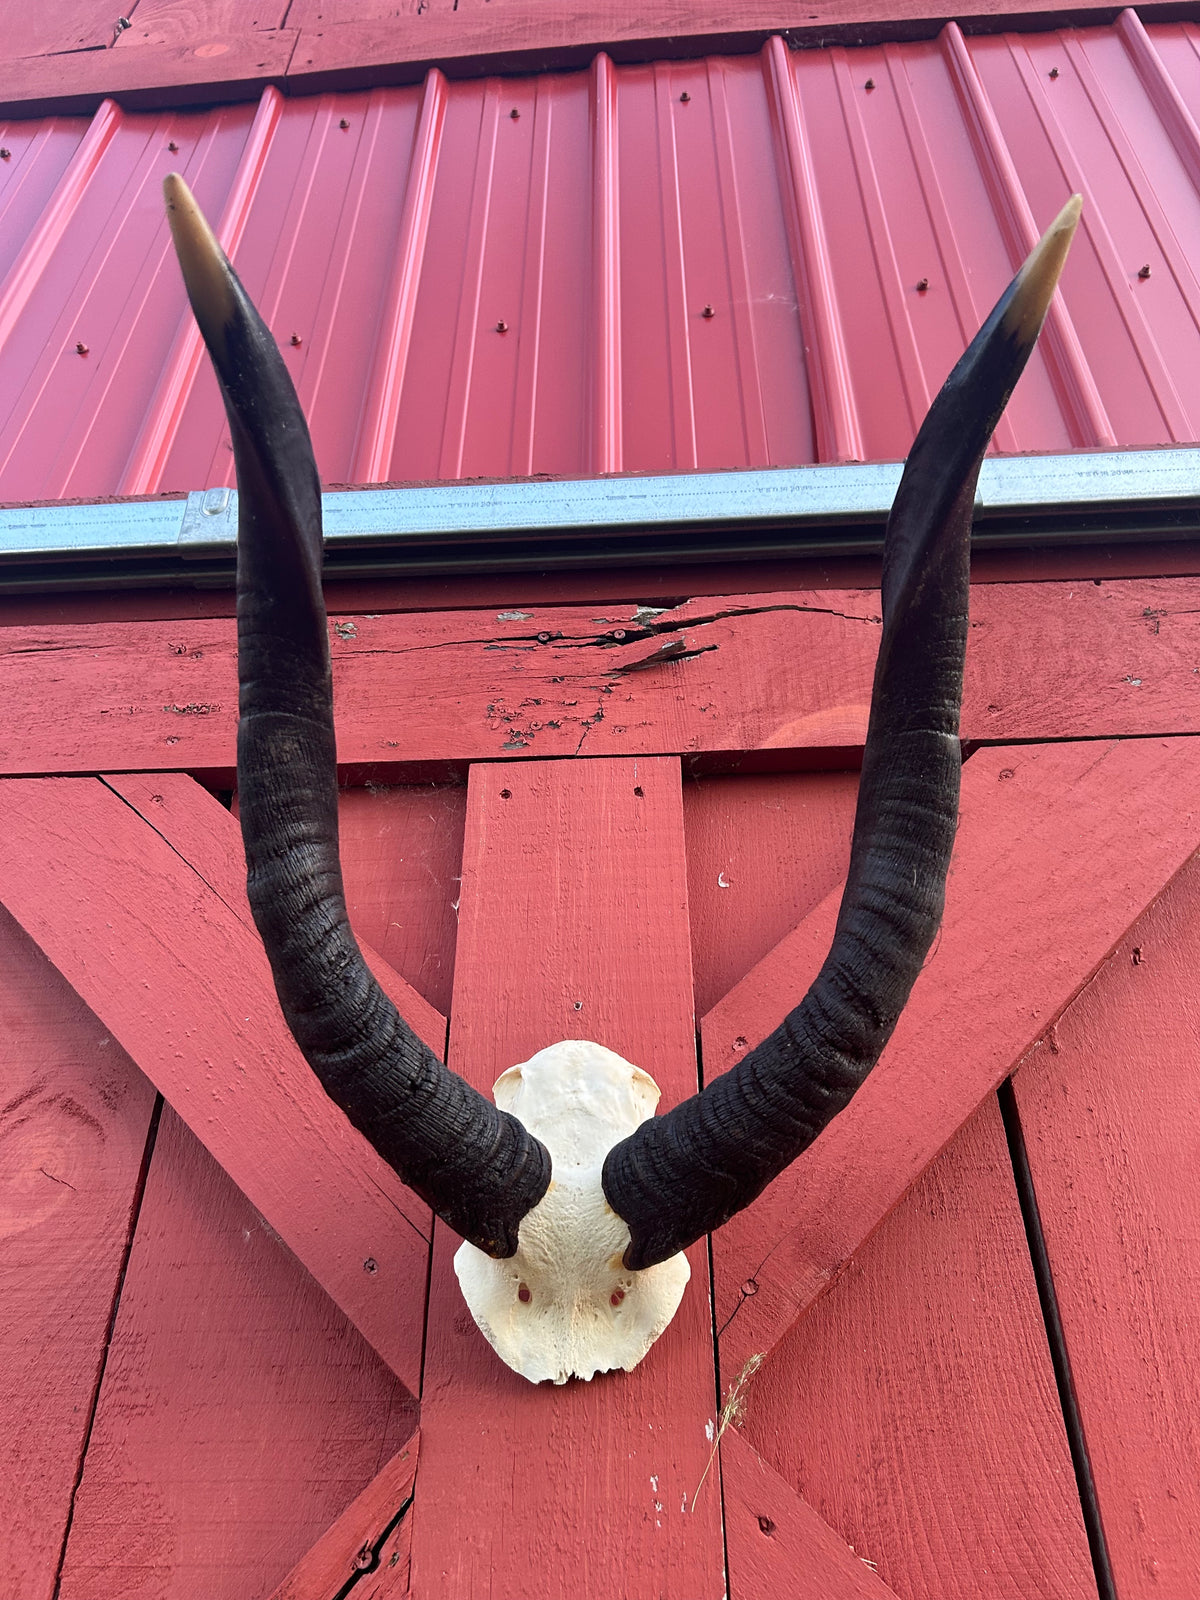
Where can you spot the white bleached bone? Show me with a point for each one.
(566, 1306)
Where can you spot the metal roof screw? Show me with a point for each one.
(684, 98)
(515, 114)
(173, 147)
(296, 339)
(708, 313)
(502, 327)
(5, 155)
(870, 83)
(81, 349)
(370, 1264)
(123, 23)
(1144, 272)
(1054, 72)
(343, 124)
(922, 285)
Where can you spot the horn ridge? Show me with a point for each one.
(478, 1168)
(681, 1175)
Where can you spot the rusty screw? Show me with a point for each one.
(618, 634)
(922, 285)
(371, 1265)
(708, 313)
(684, 98)
(1144, 272)
(365, 1558)
(81, 349)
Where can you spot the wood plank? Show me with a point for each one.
(240, 1412)
(346, 1550)
(517, 591)
(573, 924)
(915, 1405)
(778, 1545)
(402, 861)
(182, 22)
(73, 1129)
(478, 37)
(200, 829)
(183, 985)
(1053, 862)
(69, 25)
(763, 851)
(1108, 1107)
(779, 671)
(202, 70)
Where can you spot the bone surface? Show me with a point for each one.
(565, 1305)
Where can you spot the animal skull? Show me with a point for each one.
(565, 1305)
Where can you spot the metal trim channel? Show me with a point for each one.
(1121, 496)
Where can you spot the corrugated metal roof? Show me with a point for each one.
(506, 277)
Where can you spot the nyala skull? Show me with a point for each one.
(565, 1305)
(569, 1187)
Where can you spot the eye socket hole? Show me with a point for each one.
(616, 1297)
(523, 1294)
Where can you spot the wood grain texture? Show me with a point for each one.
(202, 70)
(1053, 862)
(402, 862)
(915, 1406)
(205, 835)
(183, 985)
(240, 1412)
(777, 671)
(74, 1118)
(185, 22)
(344, 1551)
(1111, 1120)
(652, 585)
(573, 924)
(777, 1544)
(763, 851)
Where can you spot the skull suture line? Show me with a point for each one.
(569, 1187)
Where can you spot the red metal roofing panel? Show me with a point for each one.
(742, 261)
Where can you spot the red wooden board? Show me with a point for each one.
(401, 860)
(778, 1545)
(1052, 864)
(762, 853)
(74, 1117)
(240, 1412)
(573, 924)
(182, 982)
(774, 671)
(915, 1406)
(1110, 1115)
(345, 1551)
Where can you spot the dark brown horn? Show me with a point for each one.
(478, 1168)
(683, 1174)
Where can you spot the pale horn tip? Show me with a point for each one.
(1038, 278)
(206, 272)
